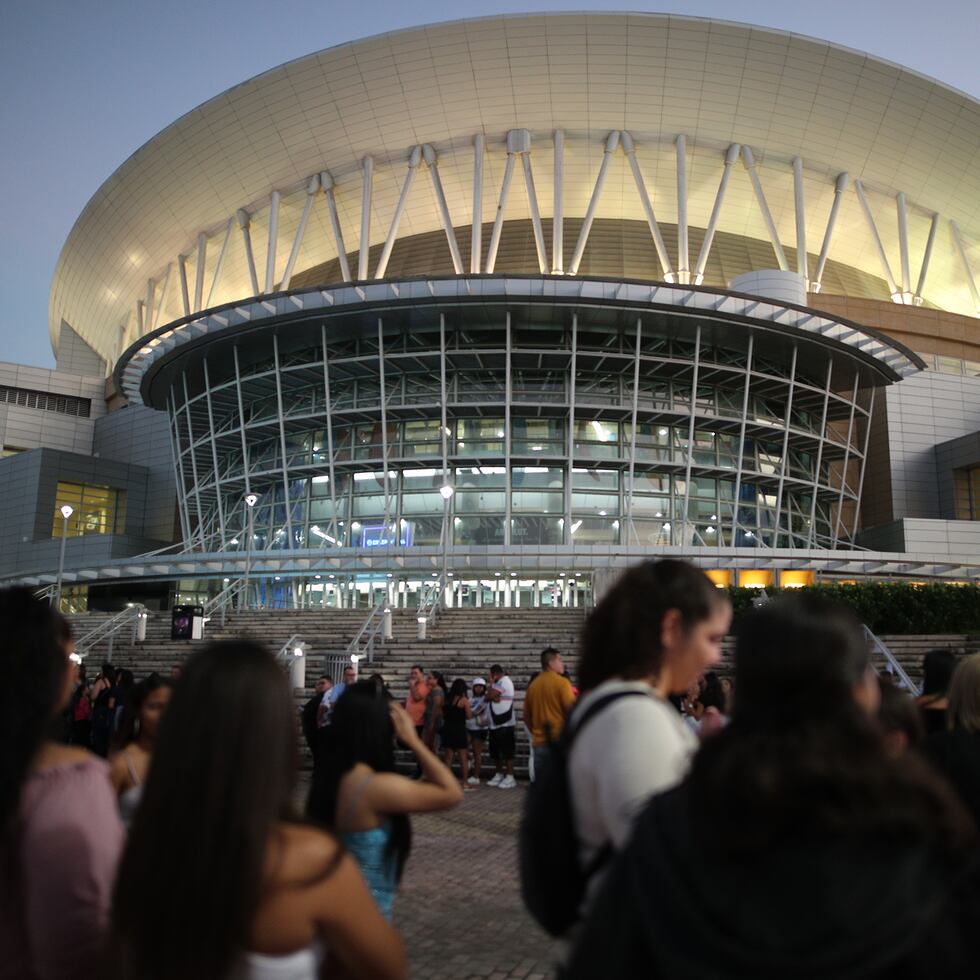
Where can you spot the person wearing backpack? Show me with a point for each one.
(654, 632)
(503, 726)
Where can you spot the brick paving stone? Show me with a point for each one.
(459, 906)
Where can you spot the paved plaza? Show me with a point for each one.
(459, 906)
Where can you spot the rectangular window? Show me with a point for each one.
(95, 510)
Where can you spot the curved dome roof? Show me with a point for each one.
(173, 204)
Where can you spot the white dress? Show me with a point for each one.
(304, 964)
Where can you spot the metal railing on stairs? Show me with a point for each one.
(131, 618)
(227, 598)
(892, 664)
(377, 624)
(431, 599)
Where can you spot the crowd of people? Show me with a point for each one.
(801, 817)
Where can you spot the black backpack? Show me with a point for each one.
(553, 882)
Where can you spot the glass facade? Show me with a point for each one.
(585, 428)
(95, 510)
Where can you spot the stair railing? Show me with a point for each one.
(431, 597)
(371, 632)
(892, 664)
(226, 599)
(128, 619)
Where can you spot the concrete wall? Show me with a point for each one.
(935, 539)
(76, 357)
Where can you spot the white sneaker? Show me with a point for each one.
(508, 782)
(496, 781)
(473, 781)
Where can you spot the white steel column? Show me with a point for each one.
(847, 459)
(570, 449)
(558, 217)
(197, 481)
(429, 155)
(140, 317)
(532, 200)
(864, 463)
(326, 182)
(270, 254)
(182, 509)
(683, 255)
(800, 207)
(243, 223)
(741, 438)
(926, 256)
(163, 297)
(151, 288)
(221, 262)
(629, 148)
(447, 479)
(508, 392)
(329, 421)
(311, 191)
(498, 221)
(730, 157)
(185, 299)
(839, 187)
(241, 426)
(903, 245)
(885, 267)
(367, 181)
(760, 196)
(282, 440)
(384, 425)
(811, 541)
(214, 456)
(202, 249)
(690, 434)
(784, 465)
(636, 406)
(612, 141)
(970, 281)
(415, 158)
(476, 239)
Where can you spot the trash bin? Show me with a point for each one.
(187, 623)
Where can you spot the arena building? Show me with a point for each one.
(502, 305)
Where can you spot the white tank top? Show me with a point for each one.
(304, 964)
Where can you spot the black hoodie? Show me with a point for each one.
(674, 906)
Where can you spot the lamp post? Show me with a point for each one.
(447, 490)
(66, 511)
(250, 501)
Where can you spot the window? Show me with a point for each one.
(46, 401)
(95, 510)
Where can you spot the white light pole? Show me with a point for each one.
(447, 490)
(250, 501)
(66, 511)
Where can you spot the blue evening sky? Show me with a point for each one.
(83, 83)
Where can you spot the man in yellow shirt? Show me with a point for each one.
(546, 704)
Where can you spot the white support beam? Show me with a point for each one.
(970, 280)
(151, 289)
(926, 256)
(326, 182)
(903, 245)
(811, 537)
(557, 212)
(202, 251)
(414, 159)
(476, 241)
(429, 155)
(730, 157)
(154, 320)
(140, 317)
(629, 148)
(498, 221)
(799, 204)
(185, 300)
(612, 141)
(221, 263)
(869, 217)
(683, 253)
(749, 160)
(532, 200)
(270, 254)
(864, 464)
(839, 187)
(367, 183)
(243, 222)
(311, 191)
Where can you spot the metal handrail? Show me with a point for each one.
(894, 667)
(130, 616)
(363, 643)
(285, 652)
(431, 597)
(224, 599)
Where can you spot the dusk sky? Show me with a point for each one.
(83, 84)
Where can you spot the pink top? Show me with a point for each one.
(54, 919)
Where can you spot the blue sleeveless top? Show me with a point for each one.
(378, 865)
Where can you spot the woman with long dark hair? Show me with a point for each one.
(653, 634)
(798, 846)
(357, 792)
(938, 667)
(135, 740)
(456, 713)
(60, 835)
(219, 880)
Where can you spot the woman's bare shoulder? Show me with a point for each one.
(302, 853)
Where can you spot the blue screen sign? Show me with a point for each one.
(381, 537)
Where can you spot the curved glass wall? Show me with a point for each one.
(595, 427)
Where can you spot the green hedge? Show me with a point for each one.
(896, 608)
